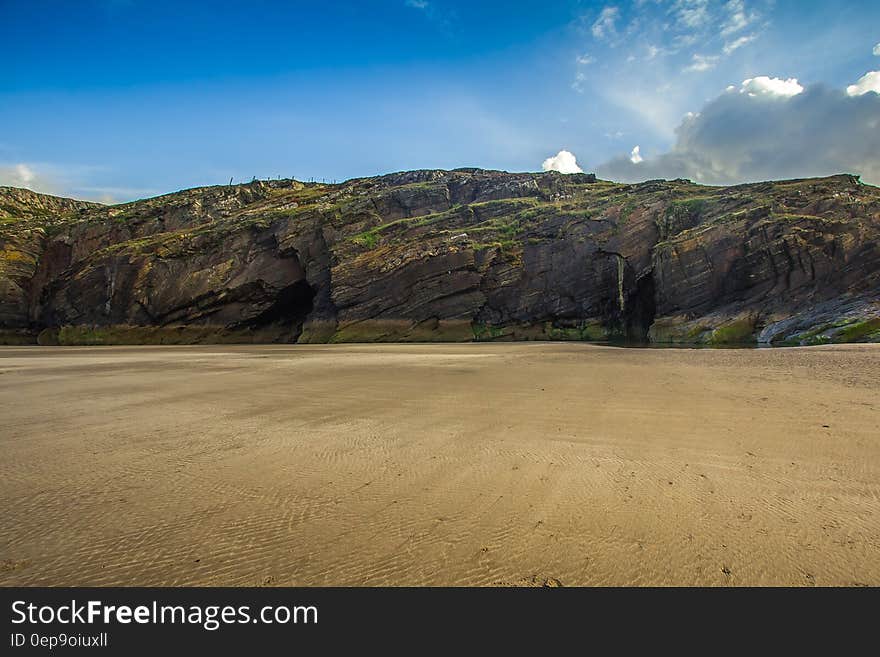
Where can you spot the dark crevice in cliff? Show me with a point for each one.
(291, 307)
(641, 307)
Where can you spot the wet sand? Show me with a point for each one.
(473, 464)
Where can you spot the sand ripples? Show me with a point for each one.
(513, 465)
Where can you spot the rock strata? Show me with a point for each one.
(454, 255)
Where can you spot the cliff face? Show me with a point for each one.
(447, 255)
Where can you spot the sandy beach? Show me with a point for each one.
(472, 464)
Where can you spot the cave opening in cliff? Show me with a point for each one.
(641, 308)
(291, 306)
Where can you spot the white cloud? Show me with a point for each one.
(693, 22)
(70, 180)
(738, 43)
(870, 81)
(635, 157)
(417, 4)
(604, 25)
(876, 50)
(27, 175)
(580, 77)
(21, 175)
(771, 129)
(700, 63)
(737, 19)
(767, 86)
(691, 14)
(563, 162)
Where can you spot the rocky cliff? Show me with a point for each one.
(447, 255)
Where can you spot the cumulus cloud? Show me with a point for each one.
(870, 81)
(768, 128)
(877, 50)
(563, 162)
(766, 86)
(605, 24)
(635, 157)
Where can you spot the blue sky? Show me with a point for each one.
(119, 99)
